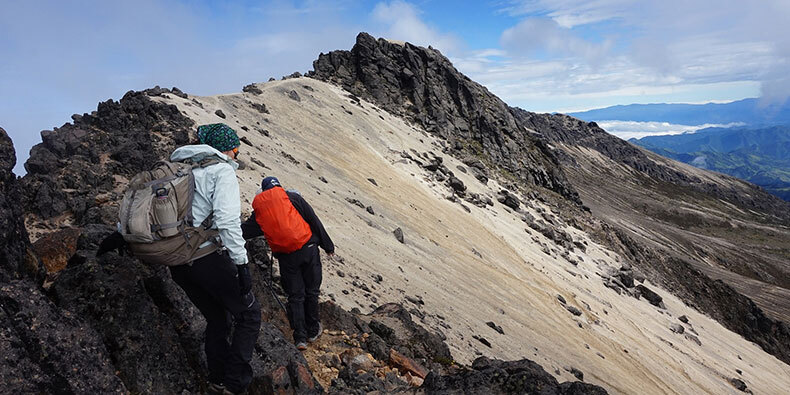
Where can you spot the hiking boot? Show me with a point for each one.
(301, 346)
(317, 335)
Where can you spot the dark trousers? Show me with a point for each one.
(300, 275)
(212, 284)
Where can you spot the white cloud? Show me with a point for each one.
(60, 59)
(570, 13)
(534, 35)
(399, 20)
(631, 129)
(670, 43)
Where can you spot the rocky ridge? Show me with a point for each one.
(153, 290)
(422, 85)
(502, 141)
(112, 324)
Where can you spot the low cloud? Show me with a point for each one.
(631, 129)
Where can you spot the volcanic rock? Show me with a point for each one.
(422, 85)
(16, 257)
(652, 297)
(398, 232)
(493, 376)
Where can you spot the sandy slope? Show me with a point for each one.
(469, 268)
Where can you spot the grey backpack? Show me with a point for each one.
(156, 215)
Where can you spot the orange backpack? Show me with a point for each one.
(284, 228)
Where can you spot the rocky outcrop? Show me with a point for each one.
(49, 350)
(15, 252)
(45, 349)
(422, 85)
(73, 173)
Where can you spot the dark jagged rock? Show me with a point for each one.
(398, 232)
(16, 257)
(495, 327)
(49, 350)
(652, 297)
(73, 170)
(576, 373)
(508, 199)
(261, 108)
(493, 376)
(457, 185)
(279, 366)
(414, 341)
(252, 88)
(573, 310)
(421, 84)
(127, 303)
(738, 384)
(220, 114)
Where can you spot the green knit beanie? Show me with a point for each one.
(219, 136)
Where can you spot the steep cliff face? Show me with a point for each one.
(422, 85)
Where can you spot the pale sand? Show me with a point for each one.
(438, 263)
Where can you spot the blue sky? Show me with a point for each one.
(63, 57)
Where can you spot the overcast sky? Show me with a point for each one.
(63, 57)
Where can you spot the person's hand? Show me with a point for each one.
(245, 280)
(114, 241)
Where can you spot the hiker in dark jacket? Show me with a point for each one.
(294, 234)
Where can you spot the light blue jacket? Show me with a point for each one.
(217, 189)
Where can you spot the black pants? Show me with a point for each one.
(300, 275)
(212, 284)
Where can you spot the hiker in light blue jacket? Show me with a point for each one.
(220, 282)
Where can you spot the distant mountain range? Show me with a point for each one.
(748, 111)
(760, 156)
(758, 151)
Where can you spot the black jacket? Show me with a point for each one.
(250, 227)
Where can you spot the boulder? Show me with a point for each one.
(398, 232)
(652, 297)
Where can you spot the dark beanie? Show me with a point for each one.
(269, 183)
(219, 136)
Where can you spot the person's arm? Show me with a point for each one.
(250, 228)
(316, 226)
(227, 213)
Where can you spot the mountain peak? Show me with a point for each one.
(422, 85)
